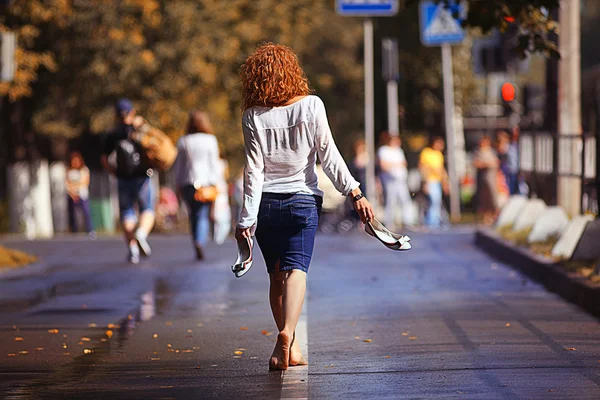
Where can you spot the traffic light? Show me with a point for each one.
(508, 93)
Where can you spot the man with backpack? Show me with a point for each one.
(133, 171)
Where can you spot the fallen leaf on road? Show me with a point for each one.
(357, 337)
(12, 355)
(412, 338)
(570, 348)
(197, 367)
(188, 351)
(329, 366)
(166, 387)
(86, 339)
(80, 343)
(168, 323)
(196, 348)
(109, 333)
(52, 330)
(241, 349)
(404, 333)
(103, 340)
(214, 365)
(155, 336)
(154, 358)
(237, 356)
(64, 345)
(239, 353)
(367, 340)
(19, 339)
(92, 325)
(507, 325)
(24, 352)
(66, 354)
(111, 326)
(169, 345)
(189, 331)
(243, 328)
(88, 351)
(39, 348)
(176, 351)
(388, 356)
(171, 350)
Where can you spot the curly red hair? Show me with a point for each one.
(271, 76)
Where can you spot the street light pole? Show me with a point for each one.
(450, 134)
(369, 107)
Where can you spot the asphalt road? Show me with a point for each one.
(441, 321)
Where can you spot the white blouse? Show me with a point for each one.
(282, 144)
(197, 160)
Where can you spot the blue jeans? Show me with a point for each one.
(135, 190)
(434, 212)
(286, 229)
(199, 216)
(84, 205)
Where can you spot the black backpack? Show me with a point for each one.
(130, 159)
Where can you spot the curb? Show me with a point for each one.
(568, 285)
(37, 268)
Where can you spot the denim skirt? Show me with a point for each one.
(286, 229)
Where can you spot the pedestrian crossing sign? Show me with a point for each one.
(439, 24)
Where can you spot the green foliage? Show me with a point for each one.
(170, 57)
(532, 18)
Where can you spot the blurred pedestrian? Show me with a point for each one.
(197, 173)
(78, 183)
(358, 165)
(167, 209)
(133, 179)
(435, 179)
(512, 164)
(221, 208)
(393, 174)
(285, 128)
(487, 163)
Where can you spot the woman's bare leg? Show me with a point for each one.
(292, 298)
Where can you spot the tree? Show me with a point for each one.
(171, 57)
(533, 19)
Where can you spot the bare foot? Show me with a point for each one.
(281, 354)
(296, 357)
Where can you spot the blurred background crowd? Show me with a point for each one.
(74, 59)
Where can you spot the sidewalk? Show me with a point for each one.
(441, 321)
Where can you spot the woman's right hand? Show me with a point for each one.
(364, 209)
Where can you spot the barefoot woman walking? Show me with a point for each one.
(285, 129)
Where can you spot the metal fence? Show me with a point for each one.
(544, 154)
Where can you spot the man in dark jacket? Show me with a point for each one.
(133, 177)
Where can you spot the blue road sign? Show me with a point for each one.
(438, 24)
(367, 8)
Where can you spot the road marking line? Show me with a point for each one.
(295, 379)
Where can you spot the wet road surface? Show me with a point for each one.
(441, 321)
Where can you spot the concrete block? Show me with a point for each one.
(551, 222)
(588, 248)
(511, 211)
(529, 214)
(569, 239)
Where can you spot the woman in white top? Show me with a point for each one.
(78, 183)
(285, 129)
(394, 175)
(197, 166)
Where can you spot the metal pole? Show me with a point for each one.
(369, 108)
(392, 103)
(450, 141)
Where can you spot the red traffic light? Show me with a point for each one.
(508, 91)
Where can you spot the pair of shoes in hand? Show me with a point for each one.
(391, 240)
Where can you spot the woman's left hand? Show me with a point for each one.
(241, 233)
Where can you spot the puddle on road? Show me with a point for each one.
(104, 341)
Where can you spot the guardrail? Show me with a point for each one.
(546, 154)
